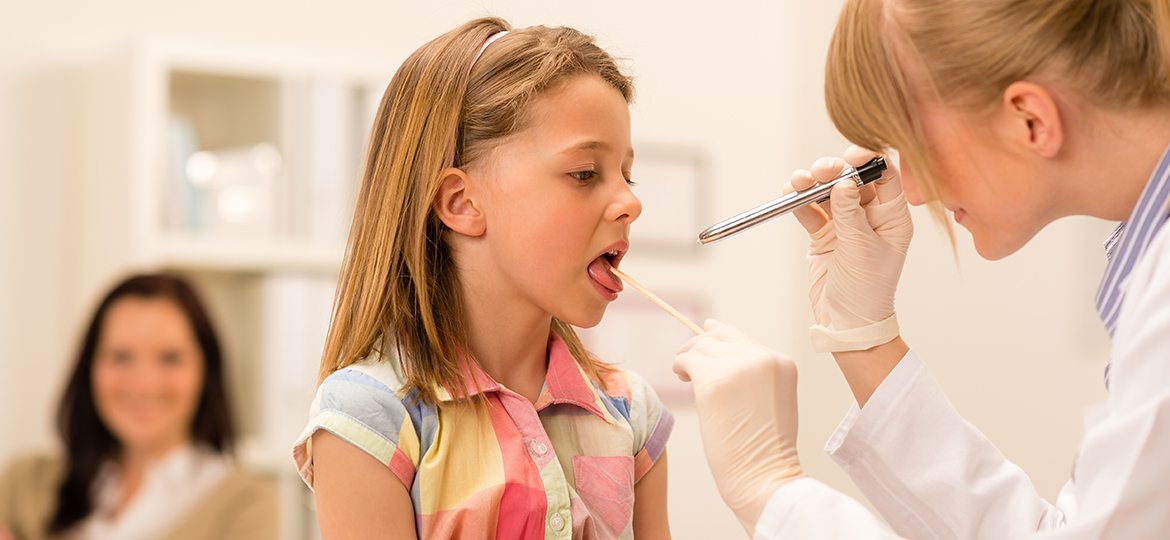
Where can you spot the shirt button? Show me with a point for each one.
(556, 522)
(538, 448)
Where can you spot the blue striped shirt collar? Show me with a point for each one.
(1125, 247)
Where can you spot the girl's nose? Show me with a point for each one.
(626, 207)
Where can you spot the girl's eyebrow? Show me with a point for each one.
(593, 145)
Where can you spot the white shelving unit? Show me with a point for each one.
(223, 157)
(236, 167)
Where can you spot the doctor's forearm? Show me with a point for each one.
(865, 370)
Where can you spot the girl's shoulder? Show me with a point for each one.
(634, 398)
(365, 405)
(382, 367)
(621, 383)
(373, 385)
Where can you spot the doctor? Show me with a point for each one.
(1008, 114)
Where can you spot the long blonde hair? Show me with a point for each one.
(398, 285)
(1109, 52)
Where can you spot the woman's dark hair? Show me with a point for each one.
(88, 441)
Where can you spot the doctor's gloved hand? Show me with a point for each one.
(746, 399)
(858, 244)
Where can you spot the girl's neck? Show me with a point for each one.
(509, 340)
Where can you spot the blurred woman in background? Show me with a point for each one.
(147, 433)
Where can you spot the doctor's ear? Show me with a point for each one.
(455, 205)
(1033, 118)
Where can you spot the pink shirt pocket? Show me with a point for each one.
(606, 487)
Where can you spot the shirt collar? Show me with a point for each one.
(1129, 241)
(566, 382)
(170, 471)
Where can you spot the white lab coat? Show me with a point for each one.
(933, 475)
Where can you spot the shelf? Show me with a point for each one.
(261, 157)
(176, 250)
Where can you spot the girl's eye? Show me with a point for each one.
(584, 176)
(630, 181)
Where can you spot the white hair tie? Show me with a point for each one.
(491, 39)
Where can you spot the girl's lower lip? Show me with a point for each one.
(959, 214)
(605, 293)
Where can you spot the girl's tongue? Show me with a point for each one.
(599, 271)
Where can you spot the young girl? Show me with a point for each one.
(457, 401)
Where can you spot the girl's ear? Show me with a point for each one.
(455, 205)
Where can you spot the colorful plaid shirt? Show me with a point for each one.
(564, 467)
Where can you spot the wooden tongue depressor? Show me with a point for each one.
(662, 304)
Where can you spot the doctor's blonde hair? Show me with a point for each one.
(443, 108)
(1108, 52)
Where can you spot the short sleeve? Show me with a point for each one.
(359, 404)
(651, 423)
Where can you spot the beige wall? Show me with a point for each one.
(1014, 342)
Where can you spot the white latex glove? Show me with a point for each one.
(746, 398)
(859, 240)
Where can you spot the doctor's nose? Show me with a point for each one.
(909, 184)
